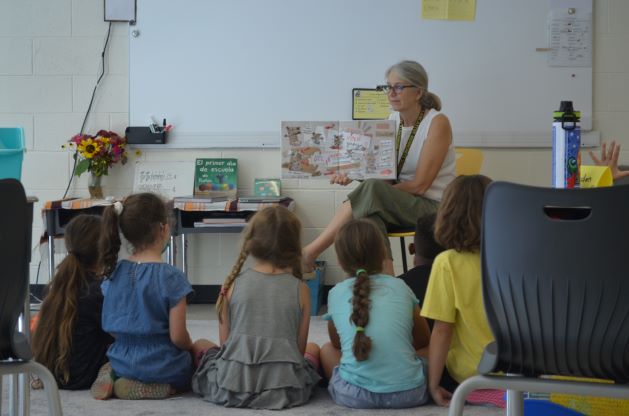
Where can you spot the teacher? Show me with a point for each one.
(425, 164)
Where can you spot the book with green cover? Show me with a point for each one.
(216, 177)
(267, 187)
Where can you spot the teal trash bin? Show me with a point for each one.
(11, 152)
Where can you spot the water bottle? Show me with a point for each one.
(566, 146)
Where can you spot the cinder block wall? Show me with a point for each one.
(50, 57)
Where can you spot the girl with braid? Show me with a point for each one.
(375, 327)
(144, 307)
(264, 360)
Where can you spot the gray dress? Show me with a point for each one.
(259, 366)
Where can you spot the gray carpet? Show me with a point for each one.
(80, 403)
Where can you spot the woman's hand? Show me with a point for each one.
(441, 396)
(609, 157)
(340, 179)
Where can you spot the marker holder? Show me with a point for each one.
(145, 135)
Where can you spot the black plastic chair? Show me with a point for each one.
(15, 240)
(555, 266)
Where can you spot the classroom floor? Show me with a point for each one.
(202, 323)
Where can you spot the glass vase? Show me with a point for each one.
(95, 186)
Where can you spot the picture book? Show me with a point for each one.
(262, 199)
(267, 187)
(361, 149)
(200, 198)
(216, 177)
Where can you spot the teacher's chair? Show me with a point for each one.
(555, 288)
(16, 357)
(468, 162)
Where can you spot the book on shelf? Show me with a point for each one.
(218, 220)
(360, 149)
(201, 198)
(200, 224)
(267, 187)
(216, 177)
(261, 199)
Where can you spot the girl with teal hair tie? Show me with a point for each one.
(376, 331)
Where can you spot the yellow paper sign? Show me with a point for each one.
(370, 104)
(596, 176)
(449, 9)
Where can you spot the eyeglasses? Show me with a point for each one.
(398, 88)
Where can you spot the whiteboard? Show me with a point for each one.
(226, 73)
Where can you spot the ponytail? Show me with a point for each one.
(360, 315)
(229, 281)
(109, 242)
(429, 100)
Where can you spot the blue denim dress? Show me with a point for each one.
(138, 299)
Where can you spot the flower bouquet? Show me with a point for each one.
(96, 154)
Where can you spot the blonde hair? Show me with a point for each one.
(458, 223)
(360, 249)
(415, 74)
(272, 235)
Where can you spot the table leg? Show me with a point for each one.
(171, 251)
(51, 257)
(184, 254)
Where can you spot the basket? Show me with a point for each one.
(11, 152)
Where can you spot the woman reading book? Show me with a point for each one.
(425, 164)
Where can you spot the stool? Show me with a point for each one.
(402, 232)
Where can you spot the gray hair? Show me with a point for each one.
(415, 74)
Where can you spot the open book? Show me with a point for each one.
(361, 149)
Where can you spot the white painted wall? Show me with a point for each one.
(49, 61)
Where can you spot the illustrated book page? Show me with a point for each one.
(361, 149)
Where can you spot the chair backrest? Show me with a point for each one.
(15, 229)
(468, 161)
(555, 266)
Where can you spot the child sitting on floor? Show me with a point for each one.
(454, 297)
(264, 317)
(425, 249)
(375, 328)
(144, 307)
(69, 339)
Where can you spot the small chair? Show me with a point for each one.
(15, 241)
(555, 289)
(468, 162)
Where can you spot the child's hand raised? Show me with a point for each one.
(441, 396)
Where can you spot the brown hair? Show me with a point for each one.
(139, 222)
(52, 340)
(360, 249)
(272, 235)
(458, 224)
(425, 244)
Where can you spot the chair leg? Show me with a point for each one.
(403, 250)
(50, 386)
(464, 389)
(14, 397)
(515, 403)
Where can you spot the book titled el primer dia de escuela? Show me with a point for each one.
(216, 177)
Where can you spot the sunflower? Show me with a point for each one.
(88, 148)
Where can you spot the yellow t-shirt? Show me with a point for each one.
(454, 295)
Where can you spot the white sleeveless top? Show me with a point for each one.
(446, 173)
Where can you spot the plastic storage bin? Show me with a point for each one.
(316, 287)
(11, 152)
